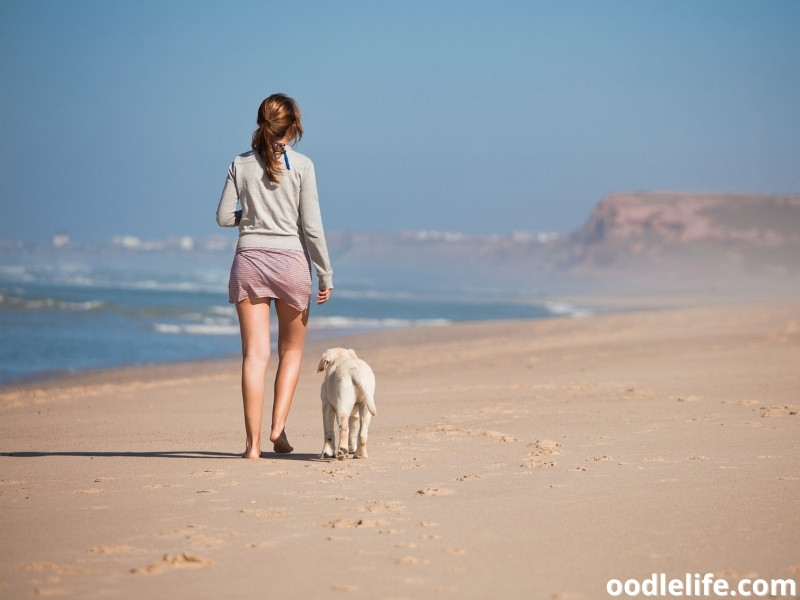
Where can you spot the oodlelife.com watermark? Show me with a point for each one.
(696, 585)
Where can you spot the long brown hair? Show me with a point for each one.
(278, 119)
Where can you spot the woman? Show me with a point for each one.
(279, 228)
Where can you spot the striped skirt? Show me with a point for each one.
(270, 273)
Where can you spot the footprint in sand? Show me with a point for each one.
(496, 435)
(542, 448)
(115, 550)
(434, 492)
(469, 477)
(272, 512)
(450, 429)
(428, 524)
(184, 560)
(208, 473)
(354, 523)
(768, 412)
(545, 448)
(539, 464)
(376, 506)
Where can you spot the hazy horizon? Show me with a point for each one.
(122, 118)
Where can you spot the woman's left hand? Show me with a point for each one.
(323, 295)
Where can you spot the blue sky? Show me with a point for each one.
(481, 117)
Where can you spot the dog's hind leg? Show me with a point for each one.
(355, 426)
(329, 426)
(363, 434)
(344, 434)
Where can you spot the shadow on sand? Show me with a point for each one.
(163, 454)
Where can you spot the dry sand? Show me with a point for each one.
(534, 459)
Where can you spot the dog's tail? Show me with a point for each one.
(371, 405)
(365, 382)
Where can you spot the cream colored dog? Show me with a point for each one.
(348, 399)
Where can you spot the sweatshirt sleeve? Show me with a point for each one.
(227, 215)
(313, 232)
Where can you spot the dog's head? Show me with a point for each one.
(332, 356)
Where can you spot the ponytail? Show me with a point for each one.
(278, 119)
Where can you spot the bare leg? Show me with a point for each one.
(291, 340)
(254, 326)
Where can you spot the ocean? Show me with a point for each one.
(68, 311)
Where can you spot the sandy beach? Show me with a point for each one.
(516, 459)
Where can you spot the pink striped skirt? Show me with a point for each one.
(271, 273)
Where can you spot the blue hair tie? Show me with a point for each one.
(280, 147)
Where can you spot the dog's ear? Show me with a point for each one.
(323, 363)
(351, 353)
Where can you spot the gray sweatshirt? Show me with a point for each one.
(283, 216)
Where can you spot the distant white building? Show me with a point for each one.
(447, 236)
(540, 236)
(547, 236)
(127, 241)
(59, 240)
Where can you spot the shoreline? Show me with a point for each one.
(158, 343)
(580, 306)
(535, 458)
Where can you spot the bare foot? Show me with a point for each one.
(280, 443)
(251, 452)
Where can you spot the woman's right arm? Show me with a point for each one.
(227, 215)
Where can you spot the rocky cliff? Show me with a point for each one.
(713, 234)
(673, 218)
